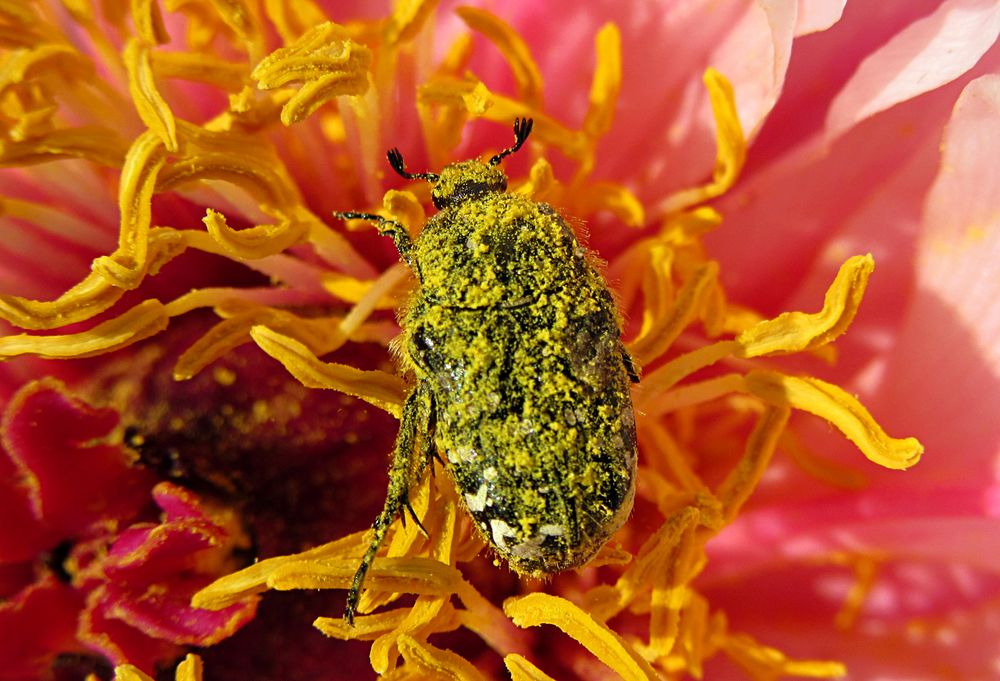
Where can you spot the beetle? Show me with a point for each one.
(522, 379)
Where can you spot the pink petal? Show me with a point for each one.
(942, 380)
(817, 15)
(22, 536)
(663, 138)
(929, 53)
(163, 611)
(163, 550)
(118, 641)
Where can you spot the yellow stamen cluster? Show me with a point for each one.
(189, 669)
(330, 84)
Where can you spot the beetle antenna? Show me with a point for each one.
(396, 161)
(522, 128)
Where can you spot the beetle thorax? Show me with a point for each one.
(465, 181)
(501, 250)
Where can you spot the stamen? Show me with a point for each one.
(606, 84)
(799, 331)
(100, 145)
(149, 22)
(326, 63)
(142, 321)
(90, 297)
(541, 608)
(614, 198)
(379, 388)
(731, 149)
(760, 447)
(254, 242)
(292, 20)
(201, 68)
(152, 108)
(522, 670)
(514, 50)
(765, 663)
(667, 328)
(437, 662)
(841, 409)
(408, 17)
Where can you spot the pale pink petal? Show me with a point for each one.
(944, 377)
(818, 15)
(929, 53)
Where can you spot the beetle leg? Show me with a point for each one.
(630, 369)
(403, 472)
(390, 228)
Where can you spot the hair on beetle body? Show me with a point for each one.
(522, 380)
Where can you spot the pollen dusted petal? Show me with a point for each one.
(540, 608)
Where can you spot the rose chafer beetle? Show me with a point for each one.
(522, 380)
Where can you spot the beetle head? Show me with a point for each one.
(467, 180)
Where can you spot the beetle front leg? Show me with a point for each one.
(408, 463)
(390, 228)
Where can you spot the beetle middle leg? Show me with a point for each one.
(412, 452)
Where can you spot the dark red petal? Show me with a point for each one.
(36, 625)
(118, 641)
(73, 480)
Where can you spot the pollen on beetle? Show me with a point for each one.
(313, 291)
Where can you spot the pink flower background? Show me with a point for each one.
(875, 127)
